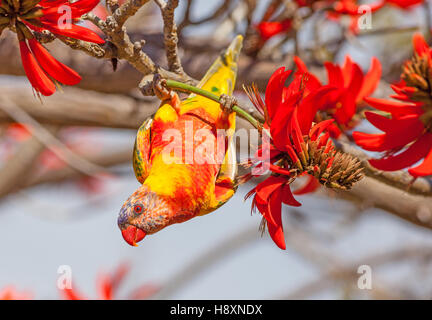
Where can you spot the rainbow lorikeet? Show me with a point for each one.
(178, 185)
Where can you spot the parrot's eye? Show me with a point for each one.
(138, 208)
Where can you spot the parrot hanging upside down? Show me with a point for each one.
(174, 192)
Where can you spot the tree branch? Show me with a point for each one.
(16, 171)
(396, 179)
(170, 35)
(47, 138)
(68, 109)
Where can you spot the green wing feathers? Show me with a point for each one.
(141, 152)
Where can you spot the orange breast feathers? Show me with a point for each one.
(186, 156)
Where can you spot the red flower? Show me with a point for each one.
(52, 16)
(10, 293)
(269, 29)
(405, 4)
(41, 68)
(297, 146)
(107, 286)
(268, 199)
(18, 132)
(407, 136)
(352, 86)
(352, 9)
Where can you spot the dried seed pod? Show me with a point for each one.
(417, 73)
(332, 168)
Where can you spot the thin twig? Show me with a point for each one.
(170, 35)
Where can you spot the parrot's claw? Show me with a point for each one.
(160, 89)
(227, 102)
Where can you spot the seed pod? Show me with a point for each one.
(332, 168)
(4, 20)
(6, 6)
(24, 30)
(26, 5)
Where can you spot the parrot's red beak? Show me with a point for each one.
(132, 235)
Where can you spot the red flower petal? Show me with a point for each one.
(83, 6)
(301, 66)
(279, 128)
(296, 134)
(346, 112)
(404, 3)
(277, 169)
(420, 45)
(403, 92)
(425, 168)
(310, 105)
(71, 294)
(356, 82)
(292, 154)
(387, 124)
(76, 32)
(397, 109)
(267, 187)
(275, 228)
(317, 129)
(347, 70)
(274, 90)
(324, 140)
(371, 80)
(52, 13)
(310, 186)
(414, 153)
(105, 287)
(37, 77)
(54, 68)
(334, 74)
(269, 29)
(264, 192)
(397, 138)
(312, 82)
(288, 198)
(52, 3)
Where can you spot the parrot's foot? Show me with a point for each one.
(165, 94)
(227, 102)
(160, 89)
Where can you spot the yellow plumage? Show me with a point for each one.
(184, 189)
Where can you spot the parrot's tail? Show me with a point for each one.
(221, 77)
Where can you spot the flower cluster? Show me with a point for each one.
(351, 88)
(271, 26)
(27, 17)
(298, 146)
(108, 284)
(107, 288)
(407, 125)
